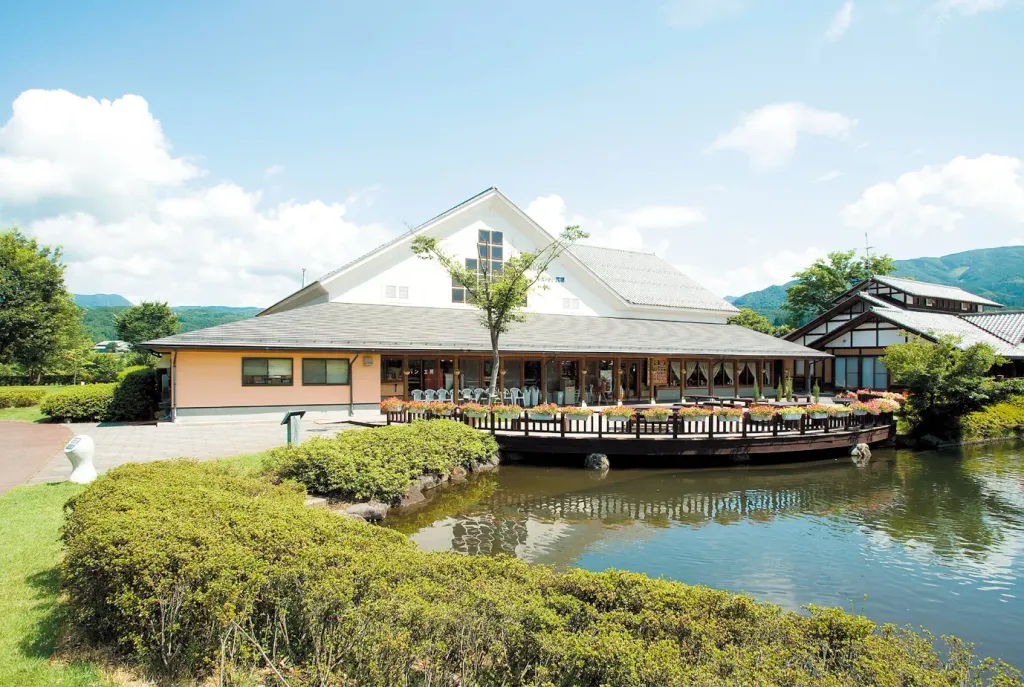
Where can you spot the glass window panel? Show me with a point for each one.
(482, 250)
(254, 367)
(391, 370)
(279, 367)
(496, 252)
(496, 267)
(484, 236)
(881, 375)
(867, 372)
(697, 374)
(513, 373)
(337, 371)
(470, 374)
(448, 374)
(851, 373)
(314, 371)
(470, 263)
(496, 237)
(458, 295)
(840, 371)
(675, 374)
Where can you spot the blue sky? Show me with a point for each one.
(202, 153)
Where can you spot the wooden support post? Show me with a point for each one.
(744, 420)
(617, 379)
(563, 424)
(405, 377)
(492, 423)
(636, 421)
(803, 424)
(711, 426)
(675, 424)
(543, 380)
(775, 425)
(682, 378)
(600, 429)
(455, 379)
(736, 378)
(711, 376)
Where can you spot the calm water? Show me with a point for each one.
(927, 539)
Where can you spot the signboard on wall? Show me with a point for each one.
(659, 371)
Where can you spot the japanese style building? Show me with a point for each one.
(611, 325)
(882, 311)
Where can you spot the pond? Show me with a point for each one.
(933, 539)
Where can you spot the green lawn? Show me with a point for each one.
(32, 413)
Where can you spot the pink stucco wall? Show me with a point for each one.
(213, 379)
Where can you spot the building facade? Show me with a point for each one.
(882, 311)
(608, 325)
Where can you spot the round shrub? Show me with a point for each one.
(130, 370)
(194, 571)
(20, 396)
(380, 463)
(87, 403)
(135, 397)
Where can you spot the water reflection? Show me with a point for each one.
(934, 539)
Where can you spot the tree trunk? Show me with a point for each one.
(493, 391)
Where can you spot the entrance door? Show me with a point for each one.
(630, 378)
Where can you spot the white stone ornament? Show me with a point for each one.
(79, 451)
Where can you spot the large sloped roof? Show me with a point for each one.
(937, 324)
(645, 279)
(1008, 326)
(929, 290)
(361, 327)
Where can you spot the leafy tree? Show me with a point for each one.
(500, 297)
(145, 322)
(944, 381)
(38, 316)
(751, 319)
(818, 285)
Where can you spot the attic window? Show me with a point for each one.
(570, 303)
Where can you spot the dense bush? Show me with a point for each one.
(20, 396)
(197, 572)
(130, 370)
(380, 463)
(86, 403)
(136, 395)
(999, 420)
(1003, 389)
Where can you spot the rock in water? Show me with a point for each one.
(861, 455)
(597, 461)
(374, 511)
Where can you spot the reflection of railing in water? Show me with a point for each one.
(488, 534)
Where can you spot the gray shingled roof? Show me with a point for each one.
(1008, 326)
(929, 290)
(361, 327)
(646, 279)
(936, 324)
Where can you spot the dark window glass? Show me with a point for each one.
(496, 237)
(266, 372)
(484, 236)
(470, 263)
(456, 282)
(391, 369)
(458, 295)
(496, 267)
(482, 250)
(495, 252)
(325, 371)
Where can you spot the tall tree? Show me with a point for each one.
(751, 319)
(819, 284)
(500, 296)
(145, 322)
(38, 316)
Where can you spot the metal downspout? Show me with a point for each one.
(174, 386)
(352, 384)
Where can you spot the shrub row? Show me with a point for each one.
(195, 572)
(380, 463)
(999, 420)
(135, 397)
(20, 397)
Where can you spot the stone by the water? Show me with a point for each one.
(597, 461)
(861, 455)
(374, 511)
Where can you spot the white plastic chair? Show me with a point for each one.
(417, 395)
(429, 395)
(515, 396)
(467, 395)
(443, 394)
(477, 394)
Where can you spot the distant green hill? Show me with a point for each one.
(96, 300)
(996, 273)
(99, 321)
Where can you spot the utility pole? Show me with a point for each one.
(867, 248)
(304, 275)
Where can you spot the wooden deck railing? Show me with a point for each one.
(637, 426)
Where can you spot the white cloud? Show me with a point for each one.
(968, 7)
(828, 176)
(938, 197)
(769, 135)
(620, 230)
(777, 268)
(130, 223)
(58, 145)
(273, 170)
(689, 13)
(840, 22)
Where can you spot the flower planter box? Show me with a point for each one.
(507, 416)
(859, 413)
(615, 419)
(474, 413)
(761, 418)
(818, 416)
(542, 416)
(791, 417)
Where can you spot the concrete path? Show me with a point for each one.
(26, 447)
(118, 444)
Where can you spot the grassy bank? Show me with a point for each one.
(1003, 420)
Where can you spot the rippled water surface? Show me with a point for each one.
(932, 539)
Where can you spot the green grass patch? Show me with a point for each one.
(30, 414)
(30, 520)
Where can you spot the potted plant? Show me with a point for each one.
(859, 408)
(816, 392)
(761, 413)
(417, 407)
(790, 413)
(392, 405)
(618, 414)
(695, 413)
(756, 391)
(657, 413)
(888, 405)
(544, 411)
(817, 411)
(873, 407)
(727, 414)
(475, 410)
(507, 412)
(577, 412)
(441, 408)
(839, 410)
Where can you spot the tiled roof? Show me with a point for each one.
(929, 290)
(1008, 326)
(874, 300)
(646, 279)
(936, 324)
(360, 327)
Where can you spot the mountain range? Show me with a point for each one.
(101, 309)
(996, 273)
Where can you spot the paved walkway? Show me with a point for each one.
(26, 447)
(34, 453)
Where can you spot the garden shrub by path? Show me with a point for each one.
(87, 403)
(997, 421)
(380, 463)
(132, 398)
(20, 396)
(196, 572)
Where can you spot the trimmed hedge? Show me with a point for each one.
(20, 397)
(131, 370)
(87, 403)
(997, 421)
(195, 572)
(380, 463)
(135, 397)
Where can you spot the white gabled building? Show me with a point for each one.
(390, 323)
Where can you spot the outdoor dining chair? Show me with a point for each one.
(417, 395)
(477, 394)
(467, 395)
(429, 395)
